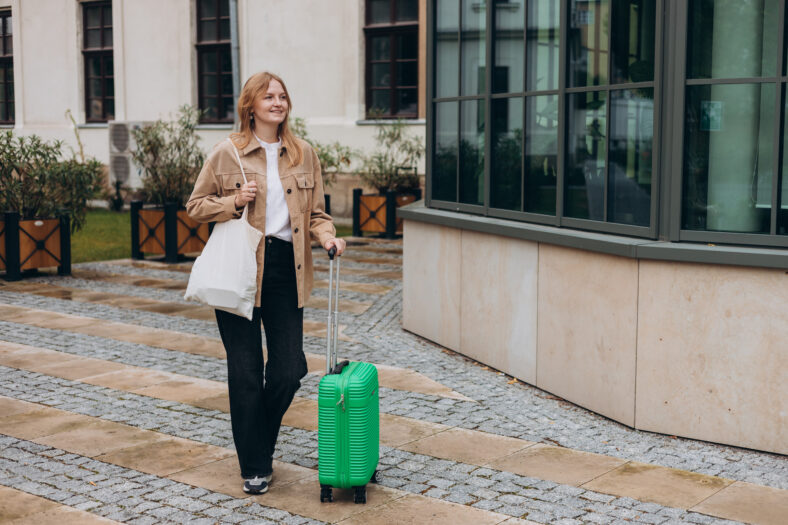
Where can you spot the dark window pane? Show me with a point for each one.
(732, 38)
(472, 152)
(94, 88)
(93, 66)
(208, 30)
(9, 45)
(543, 46)
(380, 48)
(588, 42)
(407, 10)
(509, 46)
(227, 84)
(507, 153)
(224, 8)
(211, 107)
(407, 74)
(3, 115)
(109, 108)
(208, 62)
(95, 109)
(630, 159)
(541, 154)
(109, 87)
(224, 29)
(208, 8)
(408, 45)
(444, 169)
(209, 87)
(585, 163)
(93, 17)
(728, 138)
(782, 204)
(228, 108)
(474, 47)
(407, 100)
(633, 40)
(107, 37)
(447, 51)
(226, 59)
(109, 70)
(381, 102)
(381, 75)
(2, 46)
(8, 25)
(379, 11)
(93, 38)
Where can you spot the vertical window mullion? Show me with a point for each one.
(606, 186)
(459, 92)
(778, 122)
(563, 38)
(489, 58)
(525, 105)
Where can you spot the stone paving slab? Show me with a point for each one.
(17, 507)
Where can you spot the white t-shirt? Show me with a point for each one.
(277, 215)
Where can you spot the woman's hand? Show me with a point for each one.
(247, 194)
(339, 244)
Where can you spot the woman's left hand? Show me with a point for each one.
(338, 243)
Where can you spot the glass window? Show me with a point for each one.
(474, 48)
(507, 153)
(586, 151)
(541, 154)
(447, 48)
(214, 61)
(97, 59)
(472, 152)
(509, 41)
(6, 69)
(444, 165)
(589, 42)
(392, 63)
(632, 41)
(732, 38)
(543, 45)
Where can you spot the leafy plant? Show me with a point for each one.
(170, 157)
(392, 166)
(332, 156)
(37, 181)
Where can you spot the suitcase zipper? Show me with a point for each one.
(344, 448)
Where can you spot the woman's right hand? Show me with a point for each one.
(246, 195)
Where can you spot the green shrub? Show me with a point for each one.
(170, 157)
(392, 166)
(332, 156)
(37, 181)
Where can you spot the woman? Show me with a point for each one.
(284, 193)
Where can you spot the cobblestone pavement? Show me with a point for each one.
(500, 406)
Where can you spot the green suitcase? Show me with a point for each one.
(348, 416)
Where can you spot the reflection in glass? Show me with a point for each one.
(633, 40)
(93, 38)
(588, 42)
(509, 46)
(541, 153)
(507, 153)
(379, 11)
(732, 38)
(407, 10)
(472, 152)
(407, 101)
(447, 50)
(728, 131)
(630, 159)
(474, 48)
(381, 101)
(543, 51)
(585, 163)
(381, 75)
(380, 47)
(444, 164)
(207, 8)
(208, 30)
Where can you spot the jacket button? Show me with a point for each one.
(237, 184)
(289, 190)
(295, 231)
(299, 267)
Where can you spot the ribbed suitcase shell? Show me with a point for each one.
(348, 440)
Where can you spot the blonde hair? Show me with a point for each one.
(255, 86)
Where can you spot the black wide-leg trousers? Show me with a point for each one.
(260, 393)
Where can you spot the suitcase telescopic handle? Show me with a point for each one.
(332, 252)
(332, 327)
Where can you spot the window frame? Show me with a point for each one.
(6, 60)
(217, 46)
(392, 29)
(102, 52)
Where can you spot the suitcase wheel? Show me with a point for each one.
(360, 494)
(374, 478)
(326, 494)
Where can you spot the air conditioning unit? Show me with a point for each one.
(121, 144)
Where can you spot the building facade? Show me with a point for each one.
(345, 63)
(606, 212)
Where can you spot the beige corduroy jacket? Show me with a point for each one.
(213, 199)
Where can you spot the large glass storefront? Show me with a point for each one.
(645, 118)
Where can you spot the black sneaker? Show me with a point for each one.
(257, 485)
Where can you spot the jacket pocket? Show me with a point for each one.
(232, 182)
(305, 184)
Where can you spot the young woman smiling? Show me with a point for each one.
(284, 193)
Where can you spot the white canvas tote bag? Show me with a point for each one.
(224, 276)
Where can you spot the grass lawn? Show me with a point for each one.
(107, 235)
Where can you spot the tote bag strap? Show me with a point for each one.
(243, 174)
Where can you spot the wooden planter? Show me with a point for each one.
(165, 230)
(378, 213)
(30, 244)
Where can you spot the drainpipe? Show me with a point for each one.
(234, 57)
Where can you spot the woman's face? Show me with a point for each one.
(271, 107)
